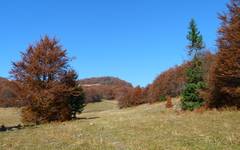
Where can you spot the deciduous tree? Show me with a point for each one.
(48, 84)
(225, 77)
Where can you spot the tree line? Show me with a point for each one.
(207, 80)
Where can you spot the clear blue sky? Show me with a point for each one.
(131, 39)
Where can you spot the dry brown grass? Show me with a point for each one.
(147, 127)
(9, 116)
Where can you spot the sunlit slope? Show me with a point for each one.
(148, 127)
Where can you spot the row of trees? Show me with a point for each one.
(207, 79)
(170, 83)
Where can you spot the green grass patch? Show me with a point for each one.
(101, 106)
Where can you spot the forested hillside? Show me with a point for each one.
(9, 91)
(109, 88)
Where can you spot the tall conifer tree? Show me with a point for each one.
(190, 96)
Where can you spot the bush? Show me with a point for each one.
(169, 103)
(162, 98)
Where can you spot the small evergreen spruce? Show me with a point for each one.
(190, 96)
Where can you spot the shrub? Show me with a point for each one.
(162, 98)
(169, 103)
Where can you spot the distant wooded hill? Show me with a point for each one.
(109, 88)
(104, 81)
(9, 91)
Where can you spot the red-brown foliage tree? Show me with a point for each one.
(131, 97)
(137, 96)
(225, 78)
(169, 83)
(124, 99)
(207, 59)
(47, 82)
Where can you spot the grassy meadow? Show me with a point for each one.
(102, 126)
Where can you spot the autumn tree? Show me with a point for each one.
(190, 97)
(169, 83)
(125, 99)
(137, 96)
(131, 97)
(225, 77)
(48, 84)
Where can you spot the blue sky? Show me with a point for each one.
(131, 39)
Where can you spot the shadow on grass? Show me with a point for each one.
(4, 128)
(10, 128)
(86, 118)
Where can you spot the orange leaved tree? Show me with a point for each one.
(225, 77)
(48, 85)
